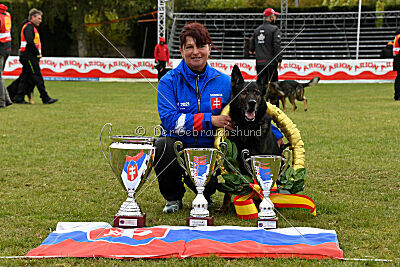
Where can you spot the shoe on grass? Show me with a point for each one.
(173, 206)
(50, 101)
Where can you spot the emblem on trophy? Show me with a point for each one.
(267, 169)
(200, 164)
(131, 159)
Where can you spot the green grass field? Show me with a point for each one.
(52, 169)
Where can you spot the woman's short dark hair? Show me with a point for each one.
(197, 31)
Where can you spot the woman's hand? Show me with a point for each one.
(222, 121)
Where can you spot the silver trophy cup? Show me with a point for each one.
(200, 164)
(131, 159)
(267, 169)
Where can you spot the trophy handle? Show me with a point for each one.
(177, 145)
(101, 145)
(246, 158)
(287, 155)
(223, 146)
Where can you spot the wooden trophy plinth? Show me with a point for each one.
(130, 221)
(267, 223)
(200, 221)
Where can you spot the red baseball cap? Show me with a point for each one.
(162, 39)
(3, 7)
(269, 11)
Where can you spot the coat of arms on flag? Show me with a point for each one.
(133, 169)
(216, 102)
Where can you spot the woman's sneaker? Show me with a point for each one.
(173, 206)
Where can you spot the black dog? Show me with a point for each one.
(251, 123)
(28, 90)
(292, 90)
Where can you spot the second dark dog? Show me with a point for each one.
(292, 90)
(251, 124)
(13, 88)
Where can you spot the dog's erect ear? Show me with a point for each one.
(236, 77)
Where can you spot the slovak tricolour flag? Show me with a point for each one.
(264, 172)
(133, 169)
(82, 239)
(200, 167)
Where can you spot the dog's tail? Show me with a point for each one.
(314, 81)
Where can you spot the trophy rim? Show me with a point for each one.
(266, 156)
(200, 148)
(131, 146)
(132, 139)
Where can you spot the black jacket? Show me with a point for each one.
(387, 51)
(266, 42)
(30, 51)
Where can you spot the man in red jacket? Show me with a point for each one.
(161, 55)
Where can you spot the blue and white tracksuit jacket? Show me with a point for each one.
(186, 102)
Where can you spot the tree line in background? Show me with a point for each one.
(64, 30)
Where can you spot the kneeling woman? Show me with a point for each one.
(190, 99)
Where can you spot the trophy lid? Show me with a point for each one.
(146, 140)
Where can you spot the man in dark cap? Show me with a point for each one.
(30, 54)
(266, 43)
(5, 51)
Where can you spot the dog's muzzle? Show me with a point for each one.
(250, 113)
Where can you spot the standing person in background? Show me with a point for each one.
(5, 51)
(161, 56)
(30, 54)
(266, 44)
(396, 64)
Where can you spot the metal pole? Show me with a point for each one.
(358, 27)
(161, 19)
(145, 41)
(283, 16)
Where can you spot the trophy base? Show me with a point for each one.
(126, 221)
(267, 223)
(200, 221)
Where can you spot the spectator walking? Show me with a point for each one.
(266, 44)
(396, 65)
(30, 54)
(5, 51)
(161, 56)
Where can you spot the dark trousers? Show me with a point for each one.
(397, 86)
(162, 69)
(31, 74)
(269, 74)
(170, 173)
